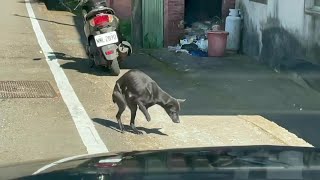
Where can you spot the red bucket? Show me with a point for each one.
(217, 43)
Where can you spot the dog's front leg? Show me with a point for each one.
(144, 111)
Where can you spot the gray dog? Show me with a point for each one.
(136, 89)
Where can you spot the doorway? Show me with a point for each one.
(201, 10)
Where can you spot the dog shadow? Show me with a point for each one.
(115, 126)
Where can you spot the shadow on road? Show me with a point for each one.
(54, 5)
(39, 19)
(79, 64)
(114, 126)
(34, 1)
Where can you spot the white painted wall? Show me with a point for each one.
(291, 15)
(257, 14)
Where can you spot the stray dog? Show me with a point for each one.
(136, 89)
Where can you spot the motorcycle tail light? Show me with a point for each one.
(109, 52)
(101, 19)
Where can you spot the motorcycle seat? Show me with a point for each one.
(94, 12)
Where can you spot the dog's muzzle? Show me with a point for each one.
(176, 120)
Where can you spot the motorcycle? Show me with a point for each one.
(105, 46)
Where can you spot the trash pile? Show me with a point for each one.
(195, 41)
(192, 46)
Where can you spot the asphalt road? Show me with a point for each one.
(36, 129)
(304, 125)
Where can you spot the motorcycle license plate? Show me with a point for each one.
(106, 38)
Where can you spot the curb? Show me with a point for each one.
(276, 131)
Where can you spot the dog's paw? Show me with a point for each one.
(139, 132)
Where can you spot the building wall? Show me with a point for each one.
(254, 16)
(121, 7)
(280, 31)
(173, 16)
(226, 5)
(173, 19)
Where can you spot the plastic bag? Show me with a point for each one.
(203, 45)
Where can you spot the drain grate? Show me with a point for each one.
(26, 89)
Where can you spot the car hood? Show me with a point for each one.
(219, 157)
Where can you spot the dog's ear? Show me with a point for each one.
(181, 100)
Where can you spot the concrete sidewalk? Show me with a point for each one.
(202, 131)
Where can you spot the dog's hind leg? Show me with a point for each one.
(133, 108)
(119, 100)
(144, 111)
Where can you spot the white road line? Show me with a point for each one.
(84, 124)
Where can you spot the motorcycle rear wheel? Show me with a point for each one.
(115, 68)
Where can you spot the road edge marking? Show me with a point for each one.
(81, 119)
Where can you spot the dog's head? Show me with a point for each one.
(173, 109)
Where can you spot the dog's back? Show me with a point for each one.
(134, 82)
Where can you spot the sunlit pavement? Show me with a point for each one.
(48, 129)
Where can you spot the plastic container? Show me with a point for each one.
(217, 42)
(233, 26)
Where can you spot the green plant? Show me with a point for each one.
(150, 40)
(125, 29)
(217, 21)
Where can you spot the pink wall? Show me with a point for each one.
(122, 8)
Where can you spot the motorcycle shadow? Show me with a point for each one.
(80, 64)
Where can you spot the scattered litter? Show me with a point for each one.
(195, 41)
(40, 52)
(177, 49)
(199, 53)
(183, 50)
(301, 109)
(203, 44)
(188, 40)
(190, 47)
(174, 48)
